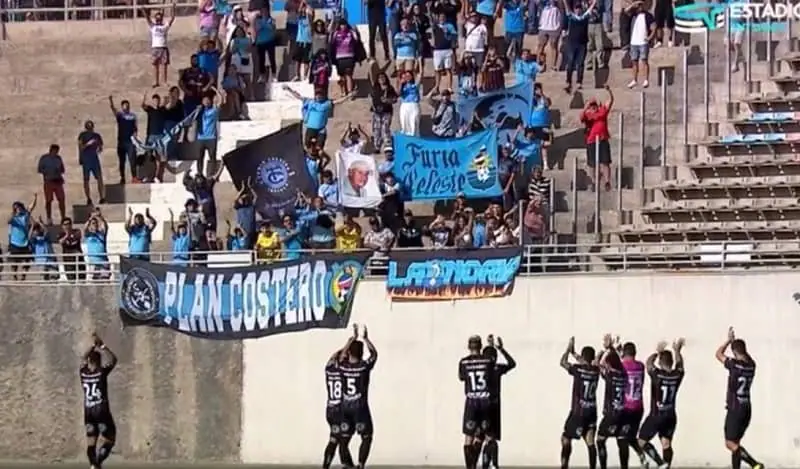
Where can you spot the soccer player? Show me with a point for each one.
(665, 380)
(582, 419)
(333, 408)
(97, 416)
(634, 406)
(490, 449)
(475, 371)
(614, 400)
(355, 373)
(741, 371)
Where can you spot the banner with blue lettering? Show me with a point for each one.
(439, 169)
(241, 302)
(503, 110)
(452, 274)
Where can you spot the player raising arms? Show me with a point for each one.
(96, 410)
(633, 407)
(475, 371)
(582, 418)
(614, 375)
(490, 449)
(741, 371)
(665, 380)
(333, 407)
(355, 373)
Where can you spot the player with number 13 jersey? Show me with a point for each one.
(476, 371)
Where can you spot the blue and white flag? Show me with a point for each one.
(440, 169)
(161, 144)
(503, 110)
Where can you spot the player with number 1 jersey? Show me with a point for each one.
(97, 417)
(582, 419)
(741, 373)
(665, 380)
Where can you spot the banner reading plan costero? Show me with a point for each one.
(241, 302)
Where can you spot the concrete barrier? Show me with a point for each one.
(416, 398)
(173, 398)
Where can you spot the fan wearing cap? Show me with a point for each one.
(476, 371)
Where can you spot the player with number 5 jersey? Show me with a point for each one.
(741, 372)
(356, 417)
(97, 417)
(666, 377)
(582, 419)
(333, 404)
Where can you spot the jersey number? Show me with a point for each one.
(667, 394)
(91, 392)
(743, 386)
(477, 380)
(350, 386)
(335, 389)
(634, 389)
(589, 388)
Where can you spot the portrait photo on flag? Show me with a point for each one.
(358, 180)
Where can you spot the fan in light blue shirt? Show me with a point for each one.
(316, 112)
(526, 68)
(209, 118)
(486, 7)
(409, 92)
(514, 17)
(405, 43)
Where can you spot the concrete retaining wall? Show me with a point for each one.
(174, 399)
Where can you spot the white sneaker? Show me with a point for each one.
(664, 466)
(734, 68)
(646, 83)
(632, 84)
(657, 45)
(670, 44)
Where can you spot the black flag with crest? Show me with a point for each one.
(276, 169)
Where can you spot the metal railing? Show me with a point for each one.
(543, 259)
(76, 10)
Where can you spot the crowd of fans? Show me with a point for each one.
(236, 53)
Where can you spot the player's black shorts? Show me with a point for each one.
(356, 418)
(333, 414)
(578, 425)
(477, 417)
(629, 423)
(610, 425)
(493, 427)
(662, 425)
(736, 423)
(99, 423)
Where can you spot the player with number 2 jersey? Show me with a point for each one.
(741, 372)
(97, 417)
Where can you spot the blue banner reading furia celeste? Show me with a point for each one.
(504, 110)
(439, 169)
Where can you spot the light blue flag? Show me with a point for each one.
(161, 144)
(440, 169)
(504, 109)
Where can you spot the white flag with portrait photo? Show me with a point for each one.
(358, 179)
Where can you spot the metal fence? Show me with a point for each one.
(537, 259)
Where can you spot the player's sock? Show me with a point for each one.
(475, 454)
(624, 453)
(566, 451)
(104, 452)
(490, 454)
(330, 451)
(650, 450)
(602, 453)
(668, 454)
(486, 459)
(746, 457)
(467, 456)
(344, 453)
(592, 456)
(363, 450)
(91, 454)
(736, 460)
(495, 454)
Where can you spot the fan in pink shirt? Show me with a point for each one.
(633, 406)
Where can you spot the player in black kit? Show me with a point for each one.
(582, 419)
(741, 371)
(96, 410)
(356, 417)
(614, 399)
(476, 372)
(665, 380)
(491, 450)
(333, 405)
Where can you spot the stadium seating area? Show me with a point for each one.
(736, 181)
